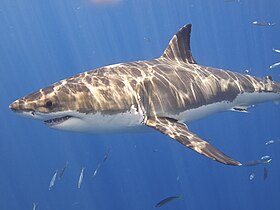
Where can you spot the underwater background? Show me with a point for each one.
(42, 42)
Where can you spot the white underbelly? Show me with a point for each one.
(242, 100)
(203, 111)
(129, 121)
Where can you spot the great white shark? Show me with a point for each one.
(165, 93)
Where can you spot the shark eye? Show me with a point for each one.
(49, 104)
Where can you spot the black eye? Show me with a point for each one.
(49, 104)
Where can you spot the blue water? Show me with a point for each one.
(45, 41)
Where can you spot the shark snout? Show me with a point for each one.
(14, 106)
(19, 106)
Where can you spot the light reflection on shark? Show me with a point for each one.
(162, 93)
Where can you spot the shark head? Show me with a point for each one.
(57, 106)
(81, 104)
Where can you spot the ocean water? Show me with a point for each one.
(45, 41)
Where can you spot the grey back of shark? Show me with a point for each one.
(162, 93)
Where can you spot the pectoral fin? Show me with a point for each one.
(180, 133)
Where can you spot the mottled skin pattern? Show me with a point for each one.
(162, 90)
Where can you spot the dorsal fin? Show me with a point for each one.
(179, 48)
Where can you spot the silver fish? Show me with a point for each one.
(268, 161)
(247, 71)
(271, 141)
(81, 178)
(262, 23)
(276, 50)
(96, 170)
(103, 161)
(63, 170)
(52, 182)
(106, 154)
(252, 176)
(266, 157)
(274, 65)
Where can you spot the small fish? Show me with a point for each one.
(274, 65)
(271, 142)
(63, 170)
(276, 50)
(167, 200)
(268, 161)
(265, 157)
(265, 174)
(34, 206)
(252, 176)
(106, 155)
(53, 180)
(262, 23)
(81, 178)
(96, 170)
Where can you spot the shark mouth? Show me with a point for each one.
(56, 121)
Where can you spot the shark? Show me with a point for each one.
(164, 94)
